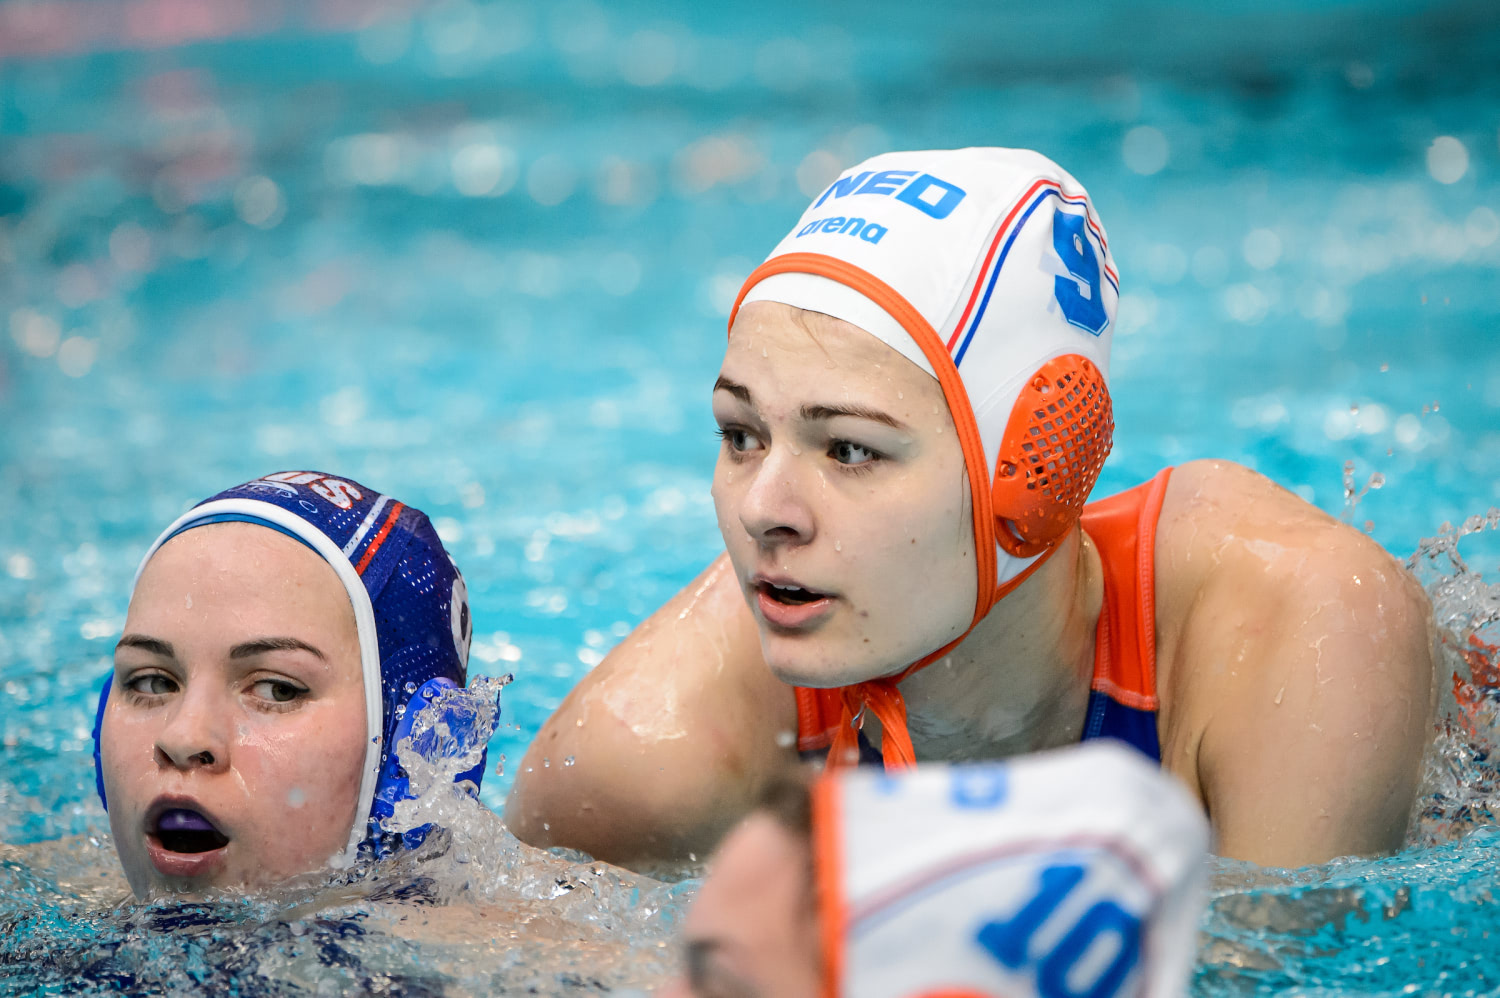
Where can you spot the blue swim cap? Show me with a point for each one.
(411, 609)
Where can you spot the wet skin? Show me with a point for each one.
(823, 498)
(753, 930)
(1295, 659)
(234, 737)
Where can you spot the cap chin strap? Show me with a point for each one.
(883, 698)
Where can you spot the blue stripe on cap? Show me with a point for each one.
(240, 518)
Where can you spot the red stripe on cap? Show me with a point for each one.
(988, 257)
(380, 536)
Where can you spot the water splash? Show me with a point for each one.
(1461, 785)
(1353, 494)
(448, 739)
(471, 911)
(1419, 921)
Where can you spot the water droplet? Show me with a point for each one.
(692, 857)
(1377, 480)
(546, 826)
(785, 739)
(410, 688)
(500, 766)
(400, 710)
(568, 761)
(546, 763)
(838, 545)
(188, 602)
(296, 797)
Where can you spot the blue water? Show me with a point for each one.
(479, 255)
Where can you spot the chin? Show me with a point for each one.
(795, 664)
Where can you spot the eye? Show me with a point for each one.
(850, 453)
(151, 684)
(278, 690)
(739, 439)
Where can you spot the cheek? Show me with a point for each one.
(307, 775)
(728, 486)
(126, 745)
(927, 542)
(723, 488)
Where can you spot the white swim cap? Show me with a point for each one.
(989, 269)
(1077, 872)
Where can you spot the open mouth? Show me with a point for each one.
(790, 595)
(184, 830)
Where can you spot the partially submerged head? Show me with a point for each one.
(996, 879)
(277, 635)
(954, 308)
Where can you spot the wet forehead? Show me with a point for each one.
(251, 574)
(812, 357)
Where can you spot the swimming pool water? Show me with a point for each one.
(480, 255)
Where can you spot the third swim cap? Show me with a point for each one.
(989, 269)
(1075, 872)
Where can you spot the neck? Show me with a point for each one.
(1020, 680)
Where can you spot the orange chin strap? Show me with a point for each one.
(1054, 446)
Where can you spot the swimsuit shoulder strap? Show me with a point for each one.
(1123, 700)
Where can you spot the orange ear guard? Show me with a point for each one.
(1055, 443)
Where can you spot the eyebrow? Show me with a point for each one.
(734, 388)
(155, 646)
(820, 411)
(260, 646)
(857, 411)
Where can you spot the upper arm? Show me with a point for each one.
(670, 738)
(1316, 682)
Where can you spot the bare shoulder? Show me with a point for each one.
(1224, 524)
(670, 738)
(1296, 665)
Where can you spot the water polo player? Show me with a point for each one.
(914, 404)
(1075, 872)
(281, 638)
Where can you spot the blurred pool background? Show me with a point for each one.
(479, 255)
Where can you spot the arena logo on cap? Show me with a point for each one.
(926, 193)
(341, 493)
(839, 225)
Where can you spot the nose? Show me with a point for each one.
(193, 736)
(774, 508)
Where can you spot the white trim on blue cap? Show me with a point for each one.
(364, 622)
